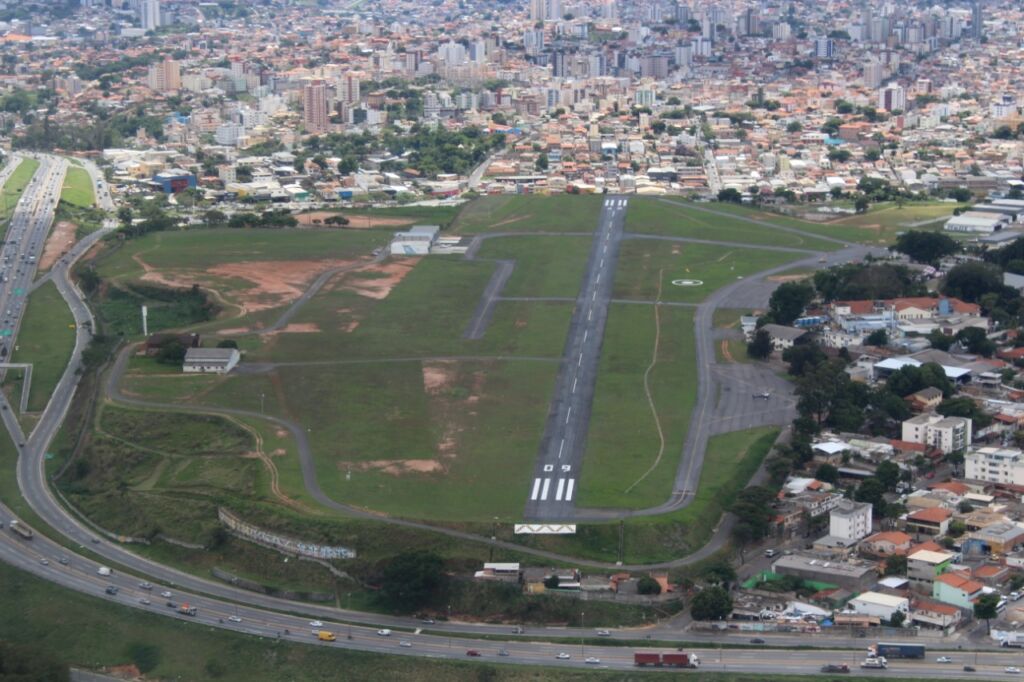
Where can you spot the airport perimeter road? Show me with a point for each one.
(557, 470)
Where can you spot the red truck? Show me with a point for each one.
(679, 660)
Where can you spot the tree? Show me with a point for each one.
(803, 358)
(124, 216)
(827, 473)
(713, 603)
(542, 162)
(788, 301)
(888, 474)
(896, 619)
(227, 343)
(29, 662)
(872, 155)
(861, 204)
(720, 572)
(551, 582)
(730, 194)
(761, 347)
(970, 281)
(879, 337)
(976, 341)
(794, 127)
(896, 565)
(926, 247)
(648, 585)
(171, 353)
(409, 579)
(871, 490)
(985, 609)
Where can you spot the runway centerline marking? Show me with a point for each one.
(568, 414)
(560, 448)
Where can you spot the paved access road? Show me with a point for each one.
(565, 433)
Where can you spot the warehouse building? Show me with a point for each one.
(879, 604)
(852, 575)
(416, 242)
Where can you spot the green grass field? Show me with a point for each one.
(11, 192)
(545, 266)
(77, 189)
(882, 222)
(648, 215)
(530, 213)
(641, 261)
(46, 340)
(623, 441)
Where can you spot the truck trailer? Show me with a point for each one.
(21, 530)
(898, 650)
(679, 660)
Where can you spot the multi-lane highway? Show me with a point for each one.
(558, 465)
(56, 564)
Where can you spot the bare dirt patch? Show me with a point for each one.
(509, 220)
(385, 277)
(59, 242)
(233, 330)
(274, 283)
(396, 467)
(438, 376)
(299, 328)
(358, 221)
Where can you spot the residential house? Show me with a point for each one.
(886, 543)
(934, 521)
(930, 613)
(956, 589)
(995, 465)
(924, 566)
(925, 400)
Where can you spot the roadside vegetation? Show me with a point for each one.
(46, 340)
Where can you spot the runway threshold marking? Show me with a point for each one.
(544, 490)
(536, 489)
(559, 490)
(568, 490)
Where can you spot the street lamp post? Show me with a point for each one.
(583, 646)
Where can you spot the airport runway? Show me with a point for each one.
(556, 473)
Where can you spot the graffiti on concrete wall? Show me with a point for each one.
(281, 542)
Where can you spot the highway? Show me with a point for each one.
(560, 459)
(82, 574)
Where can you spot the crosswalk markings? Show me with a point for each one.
(544, 489)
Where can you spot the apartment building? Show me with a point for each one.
(850, 520)
(995, 465)
(946, 434)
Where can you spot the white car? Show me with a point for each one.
(146, 586)
(384, 632)
(603, 633)
(166, 594)
(1013, 670)
(405, 643)
(144, 601)
(592, 660)
(943, 659)
(234, 619)
(316, 624)
(562, 656)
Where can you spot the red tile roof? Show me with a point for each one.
(932, 515)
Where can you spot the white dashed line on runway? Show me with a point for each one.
(560, 448)
(585, 333)
(574, 385)
(568, 414)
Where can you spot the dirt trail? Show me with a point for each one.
(725, 351)
(275, 486)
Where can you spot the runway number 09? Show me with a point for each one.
(548, 468)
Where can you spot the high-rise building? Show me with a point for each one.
(873, 74)
(314, 106)
(149, 14)
(824, 48)
(538, 10)
(555, 11)
(164, 76)
(892, 98)
(559, 64)
(348, 88)
(977, 21)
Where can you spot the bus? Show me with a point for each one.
(21, 530)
